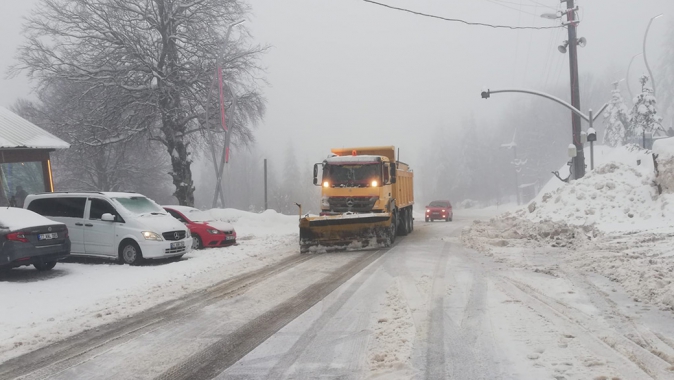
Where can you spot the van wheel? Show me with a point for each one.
(130, 253)
(45, 266)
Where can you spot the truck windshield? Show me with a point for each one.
(360, 175)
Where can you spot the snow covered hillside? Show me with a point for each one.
(39, 308)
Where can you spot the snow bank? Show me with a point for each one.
(77, 296)
(664, 149)
(619, 195)
(249, 225)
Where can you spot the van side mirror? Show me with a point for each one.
(315, 174)
(108, 217)
(393, 173)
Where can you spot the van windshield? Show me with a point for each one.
(140, 205)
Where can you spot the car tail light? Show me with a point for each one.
(17, 236)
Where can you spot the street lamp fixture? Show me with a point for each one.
(553, 16)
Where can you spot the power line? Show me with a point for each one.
(503, 4)
(462, 21)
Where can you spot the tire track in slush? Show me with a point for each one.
(435, 351)
(293, 354)
(214, 359)
(84, 346)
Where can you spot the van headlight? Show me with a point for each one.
(149, 235)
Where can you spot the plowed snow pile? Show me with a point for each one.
(614, 222)
(619, 195)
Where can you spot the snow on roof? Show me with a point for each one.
(354, 159)
(17, 132)
(14, 219)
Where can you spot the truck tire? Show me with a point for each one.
(403, 224)
(410, 222)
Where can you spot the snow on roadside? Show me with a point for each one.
(612, 222)
(42, 307)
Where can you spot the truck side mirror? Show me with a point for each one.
(387, 174)
(393, 173)
(315, 174)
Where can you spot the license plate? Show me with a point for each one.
(179, 244)
(229, 238)
(50, 236)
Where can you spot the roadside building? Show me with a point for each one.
(25, 165)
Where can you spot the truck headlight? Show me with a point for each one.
(149, 235)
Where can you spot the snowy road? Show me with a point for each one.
(428, 308)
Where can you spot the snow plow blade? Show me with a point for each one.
(344, 232)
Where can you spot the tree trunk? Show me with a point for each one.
(177, 148)
(170, 105)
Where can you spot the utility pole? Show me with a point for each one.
(266, 205)
(579, 160)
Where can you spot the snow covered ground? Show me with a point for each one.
(613, 222)
(42, 307)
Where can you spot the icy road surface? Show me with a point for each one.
(426, 309)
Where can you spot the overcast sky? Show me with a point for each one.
(349, 73)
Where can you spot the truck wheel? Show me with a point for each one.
(411, 221)
(403, 225)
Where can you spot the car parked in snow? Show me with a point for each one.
(439, 210)
(27, 238)
(206, 232)
(127, 227)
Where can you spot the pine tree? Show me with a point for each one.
(644, 117)
(616, 119)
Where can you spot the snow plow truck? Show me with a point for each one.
(367, 197)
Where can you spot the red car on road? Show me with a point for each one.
(439, 210)
(205, 231)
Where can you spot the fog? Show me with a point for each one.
(350, 73)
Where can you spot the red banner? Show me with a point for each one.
(222, 100)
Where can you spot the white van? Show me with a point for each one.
(125, 226)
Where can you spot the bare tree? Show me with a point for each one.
(99, 159)
(159, 56)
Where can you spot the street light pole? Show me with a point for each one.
(650, 74)
(627, 76)
(579, 160)
(218, 188)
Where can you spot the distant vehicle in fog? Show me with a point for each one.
(27, 238)
(439, 210)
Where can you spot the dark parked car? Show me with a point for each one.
(27, 238)
(439, 210)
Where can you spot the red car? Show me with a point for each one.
(205, 231)
(439, 210)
